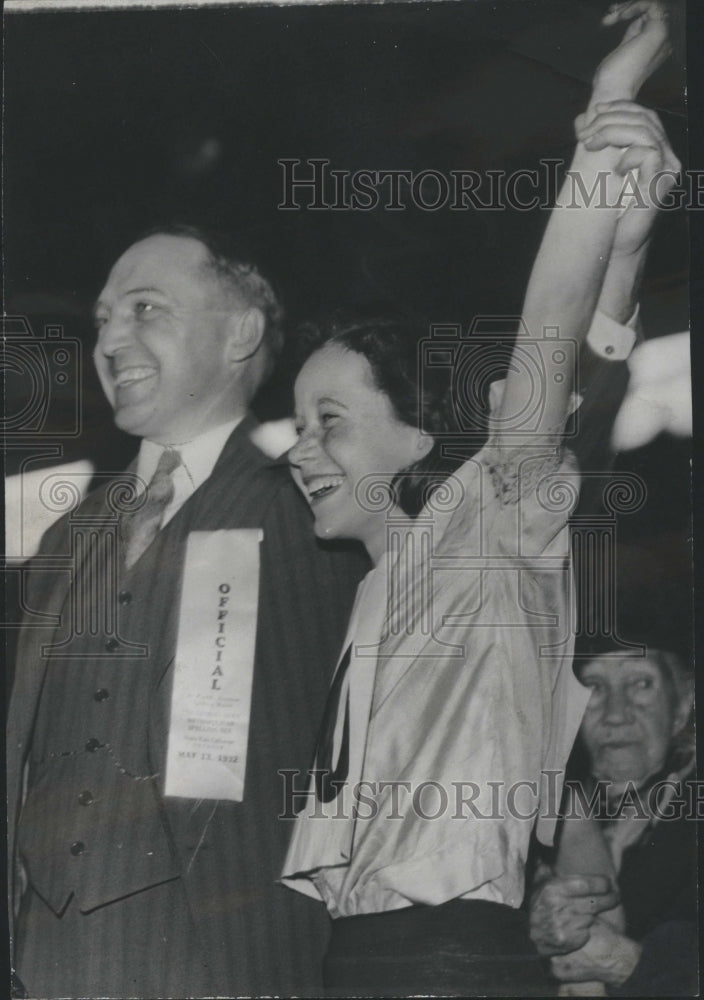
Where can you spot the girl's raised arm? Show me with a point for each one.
(593, 233)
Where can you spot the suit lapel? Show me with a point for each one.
(232, 495)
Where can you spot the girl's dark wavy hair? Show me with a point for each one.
(391, 345)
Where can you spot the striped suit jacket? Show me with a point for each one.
(257, 937)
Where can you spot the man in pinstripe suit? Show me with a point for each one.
(123, 891)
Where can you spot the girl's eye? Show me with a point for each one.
(327, 418)
(143, 308)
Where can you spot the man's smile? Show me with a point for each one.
(132, 375)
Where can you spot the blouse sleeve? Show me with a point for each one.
(514, 500)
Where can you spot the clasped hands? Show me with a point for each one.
(567, 925)
(614, 119)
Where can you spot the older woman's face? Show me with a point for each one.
(630, 719)
(347, 430)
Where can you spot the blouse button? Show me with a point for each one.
(77, 848)
(92, 745)
(102, 694)
(85, 798)
(124, 597)
(111, 644)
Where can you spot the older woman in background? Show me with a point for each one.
(638, 785)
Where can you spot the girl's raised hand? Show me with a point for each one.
(643, 48)
(648, 165)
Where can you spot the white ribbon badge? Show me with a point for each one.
(212, 688)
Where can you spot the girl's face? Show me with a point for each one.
(347, 431)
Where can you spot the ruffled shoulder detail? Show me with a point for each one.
(516, 472)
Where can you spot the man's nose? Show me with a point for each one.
(114, 334)
(618, 709)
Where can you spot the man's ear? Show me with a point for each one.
(245, 332)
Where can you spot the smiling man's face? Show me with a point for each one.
(631, 717)
(161, 353)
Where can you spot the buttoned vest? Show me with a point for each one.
(94, 822)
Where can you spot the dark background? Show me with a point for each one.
(116, 121)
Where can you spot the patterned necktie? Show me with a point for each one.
(140, 528)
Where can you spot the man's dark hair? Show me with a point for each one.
(238, 274)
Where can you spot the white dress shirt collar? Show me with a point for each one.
(198, 458)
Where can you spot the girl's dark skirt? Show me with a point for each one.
(463, 948)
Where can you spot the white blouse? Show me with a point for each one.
(463, 705)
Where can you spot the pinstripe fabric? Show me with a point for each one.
(228, 928)
(89, 760)
(155, 956)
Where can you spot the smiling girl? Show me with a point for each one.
(454, 693)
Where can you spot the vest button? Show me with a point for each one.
(77, 847)
(102, 694)
(111, 644)
(92, 745)
(124, 597)
(85, 798)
